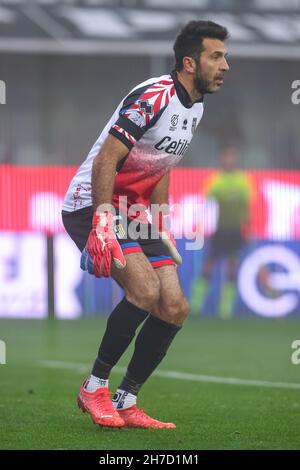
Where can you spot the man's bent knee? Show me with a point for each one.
(146, 297)
(173, 311)
(182, 312)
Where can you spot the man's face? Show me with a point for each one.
(211, 66)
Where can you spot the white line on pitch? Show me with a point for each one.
(83, 368)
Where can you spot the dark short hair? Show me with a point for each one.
(189, 41)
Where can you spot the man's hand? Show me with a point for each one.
(102, 246)
(162, 223)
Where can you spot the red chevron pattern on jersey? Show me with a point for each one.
(155, 98)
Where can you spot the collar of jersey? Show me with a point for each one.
(182, 94)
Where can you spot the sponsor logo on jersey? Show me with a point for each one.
(175, 147)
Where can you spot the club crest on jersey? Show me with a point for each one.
(194, 124)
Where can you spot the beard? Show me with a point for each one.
(202, 84)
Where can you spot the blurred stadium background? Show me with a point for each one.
(65, 66)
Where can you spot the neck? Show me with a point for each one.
(187, 81)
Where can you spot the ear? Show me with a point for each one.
(189, 64)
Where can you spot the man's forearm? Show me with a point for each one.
(104, 171)
(103, 180)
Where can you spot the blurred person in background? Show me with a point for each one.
(148, 134)
(230, 188)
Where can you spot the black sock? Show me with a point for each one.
(120, 330)
(151, 346)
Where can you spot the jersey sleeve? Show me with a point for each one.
(140, 110)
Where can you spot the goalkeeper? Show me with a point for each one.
(146, 136)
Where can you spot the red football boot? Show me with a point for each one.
(136, 418)
(98, 404)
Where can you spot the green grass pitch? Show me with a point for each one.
(47, 360)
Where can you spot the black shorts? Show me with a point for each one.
(226, 243)
(78, 225)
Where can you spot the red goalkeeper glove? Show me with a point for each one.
(102, 247)
(162, 223)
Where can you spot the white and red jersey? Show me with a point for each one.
(156, 121)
